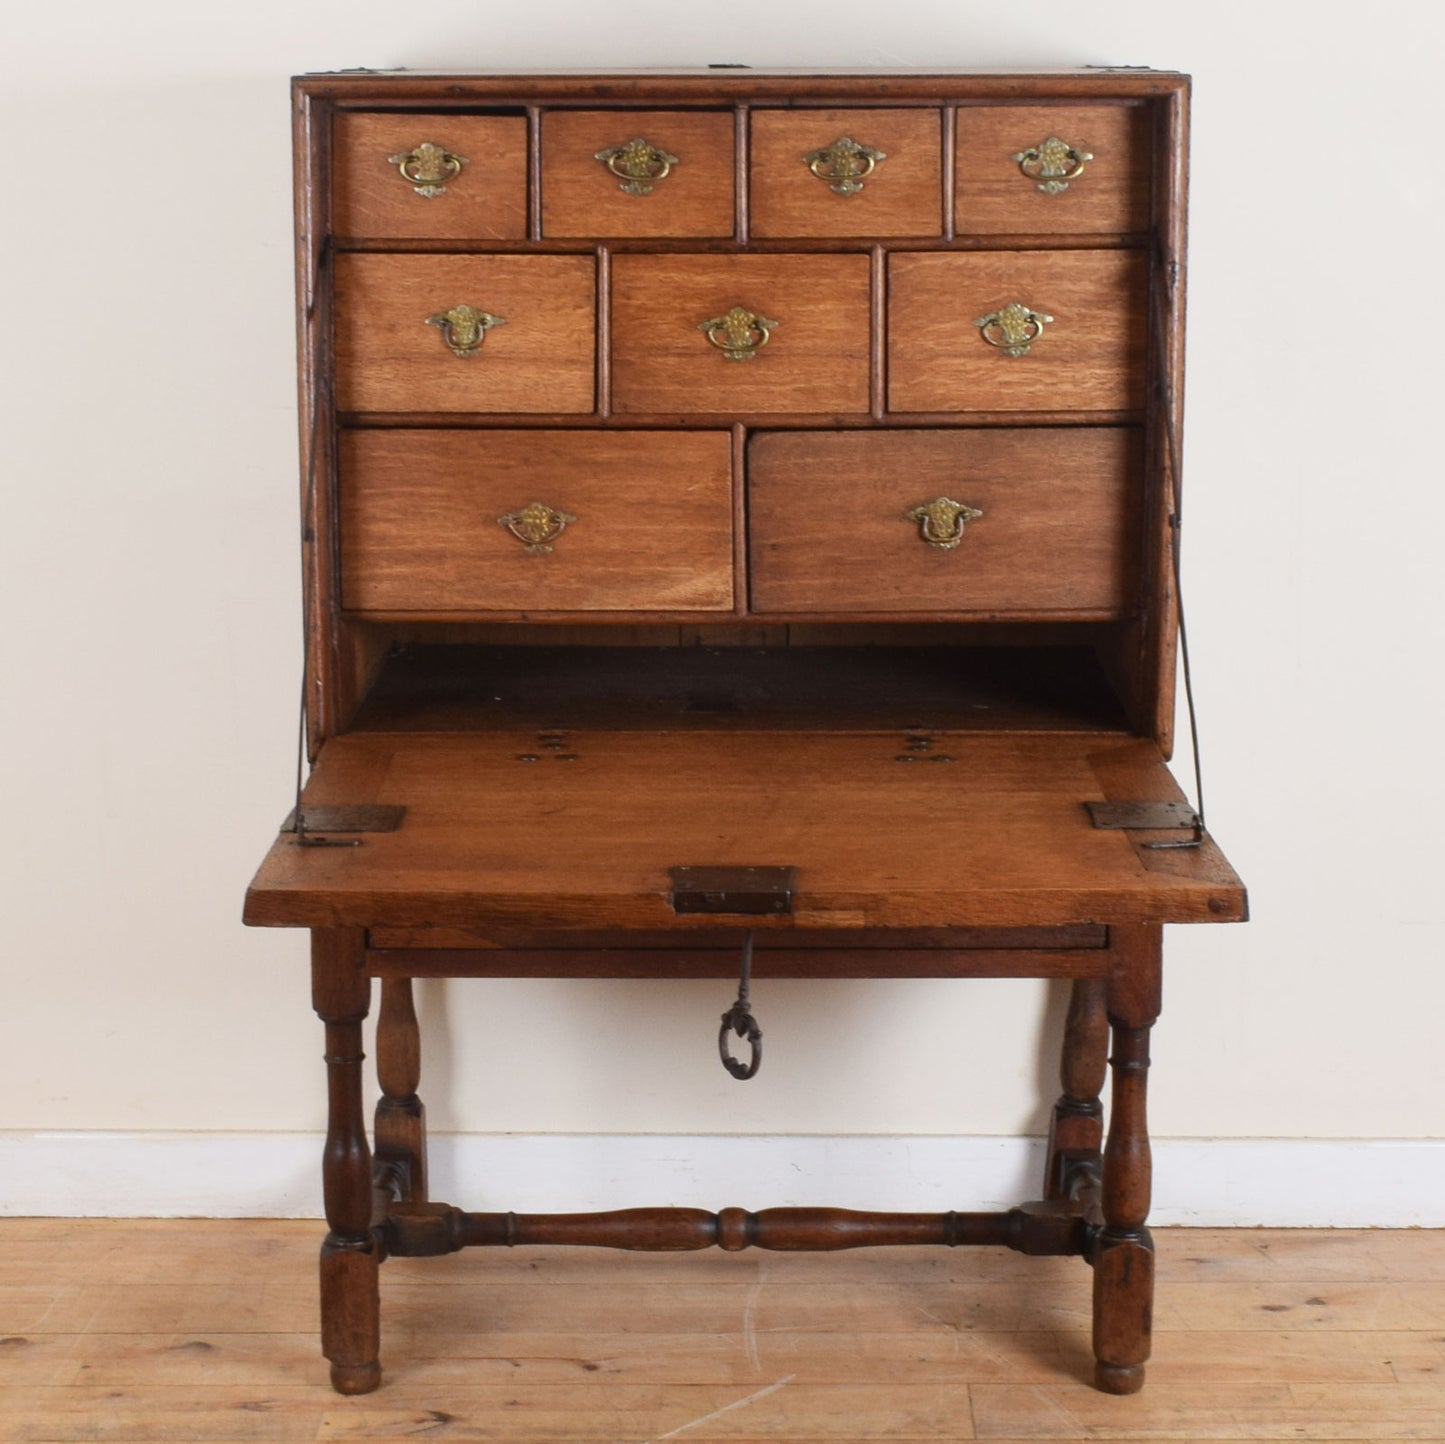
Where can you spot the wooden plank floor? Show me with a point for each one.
(162, 1330)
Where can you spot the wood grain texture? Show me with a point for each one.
(389, 359)
(400, 1126)
(487, 201)
(1090, 357)
(891, 960)
(350, 1253)
(829, 528)
(581, 197)
(817, 359)
(1076, 1131)
(993, 197)
(698, 85)
(998, 837)
(901, 198)
(145, 1329)
(1084, 938)
(420, 531)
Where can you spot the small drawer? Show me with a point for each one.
(740, 335)
(1051, 170)
(1040, 331)
(465, 333)
(637, 173)
(437, 177)
(536, 521)
(846, 173)
(870, 521)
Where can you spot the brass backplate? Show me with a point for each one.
(752, 890)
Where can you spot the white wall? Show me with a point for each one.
(150, 590)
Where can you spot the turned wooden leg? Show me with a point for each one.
(1076, 1133)
(400, 1114)
(350, 1303)
(1124, 1252)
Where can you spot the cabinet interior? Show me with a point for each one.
(909, 677)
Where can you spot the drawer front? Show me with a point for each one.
(399, 332)
(834, 523)
(671, 334)
(678, 182)
(803, 184)
(1087, 353)
(439, 521)
(1021, 170)
(466, 176)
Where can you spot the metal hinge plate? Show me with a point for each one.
(357, 817)
(1141, 816)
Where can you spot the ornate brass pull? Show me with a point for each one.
(1053, 163)
(942, 520)
(537, 524)
(428, 168)
(637, 164)
(1014, 329)
(464, 328)
(739, 334)
(844, 165)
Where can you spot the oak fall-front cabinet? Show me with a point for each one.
(738, 514)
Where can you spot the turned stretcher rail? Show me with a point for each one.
(423, 1230)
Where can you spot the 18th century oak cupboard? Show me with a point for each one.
(740, 520)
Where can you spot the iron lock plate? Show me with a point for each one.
(747, 890)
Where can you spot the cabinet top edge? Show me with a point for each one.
(460, 87)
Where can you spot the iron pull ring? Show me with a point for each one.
(738, 1019)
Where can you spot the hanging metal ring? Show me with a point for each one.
(739, 1020)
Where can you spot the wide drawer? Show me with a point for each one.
(536, 521)
(439, 177)
(637, 173)
(740, 335)
(846, 172)
(1051, 170)
(945, 521)
(405, 340)
(1041, 331)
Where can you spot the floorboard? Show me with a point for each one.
(159, 1330)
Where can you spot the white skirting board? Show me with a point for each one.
(1306, 1183)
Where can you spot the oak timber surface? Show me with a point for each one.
(899, 198)
(831, 521)
(1110, 194)
(146, 1330)
(581, 831)
(649, 520)
(582, 197)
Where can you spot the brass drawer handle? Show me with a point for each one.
(537, 525)
(1014, 329)
(637, 164)
(429, 167)
(1053, 163)
(942, 520)
(464, 328)
(844, 165)
(739, 334)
